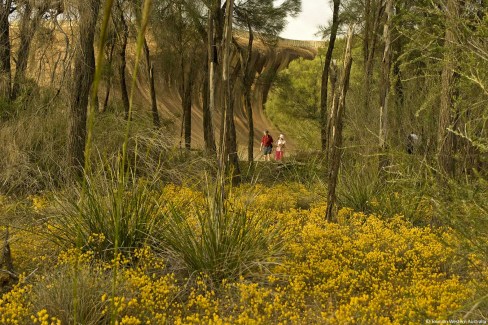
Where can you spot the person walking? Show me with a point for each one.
(266, 145)
(280, 148)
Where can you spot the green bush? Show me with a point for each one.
(108, 212)
(220, 243)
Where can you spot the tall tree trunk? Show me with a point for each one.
(385, 89)
(445, 139)
(83, 73)
(150, 73)
(373, 14)
(339, 107)
(123, 61)
(247, 81)
(325, 75)
(209, 88)
(5, 49)
(230, 155)
(333, 71)
(187, 102)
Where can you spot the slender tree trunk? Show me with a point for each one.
(250, 124)
(123, 61)
(187, 102)
(247, 81)
(445, 140)
(110, 57)
(369, 44)
(83, 73)
(385, 90)
(333, 71)
(336, 145)
(5, 49)
(209, 88)
(230, 142)
(150, 73)
(325, 75)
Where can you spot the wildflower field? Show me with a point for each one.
(267, 256)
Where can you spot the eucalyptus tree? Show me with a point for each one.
(83, 74)
(160, 6)
(183, 49)
(338, 111)
(325, 75)
(120, 19)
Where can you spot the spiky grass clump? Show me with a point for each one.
(106, 214)
(222, 243)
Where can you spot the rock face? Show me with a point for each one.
(266, 61)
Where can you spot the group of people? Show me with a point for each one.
(267, 146)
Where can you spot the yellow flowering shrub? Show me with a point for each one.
(362, 270)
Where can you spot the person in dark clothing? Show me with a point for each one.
(266, 145)
(411, 139)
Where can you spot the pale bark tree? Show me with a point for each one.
(325, 75)
(338, 109)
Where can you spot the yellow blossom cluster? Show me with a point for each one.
(361, 270)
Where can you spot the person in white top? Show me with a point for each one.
(280, 148)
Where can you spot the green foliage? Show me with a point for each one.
(297, 89)
(359, 189)
(110, 211)
(296, 96)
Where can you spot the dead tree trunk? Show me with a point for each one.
(325, 75)
(339, 107)
(385, 89)
(83, 73)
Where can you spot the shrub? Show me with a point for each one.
(221, 243)
(111, 212)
